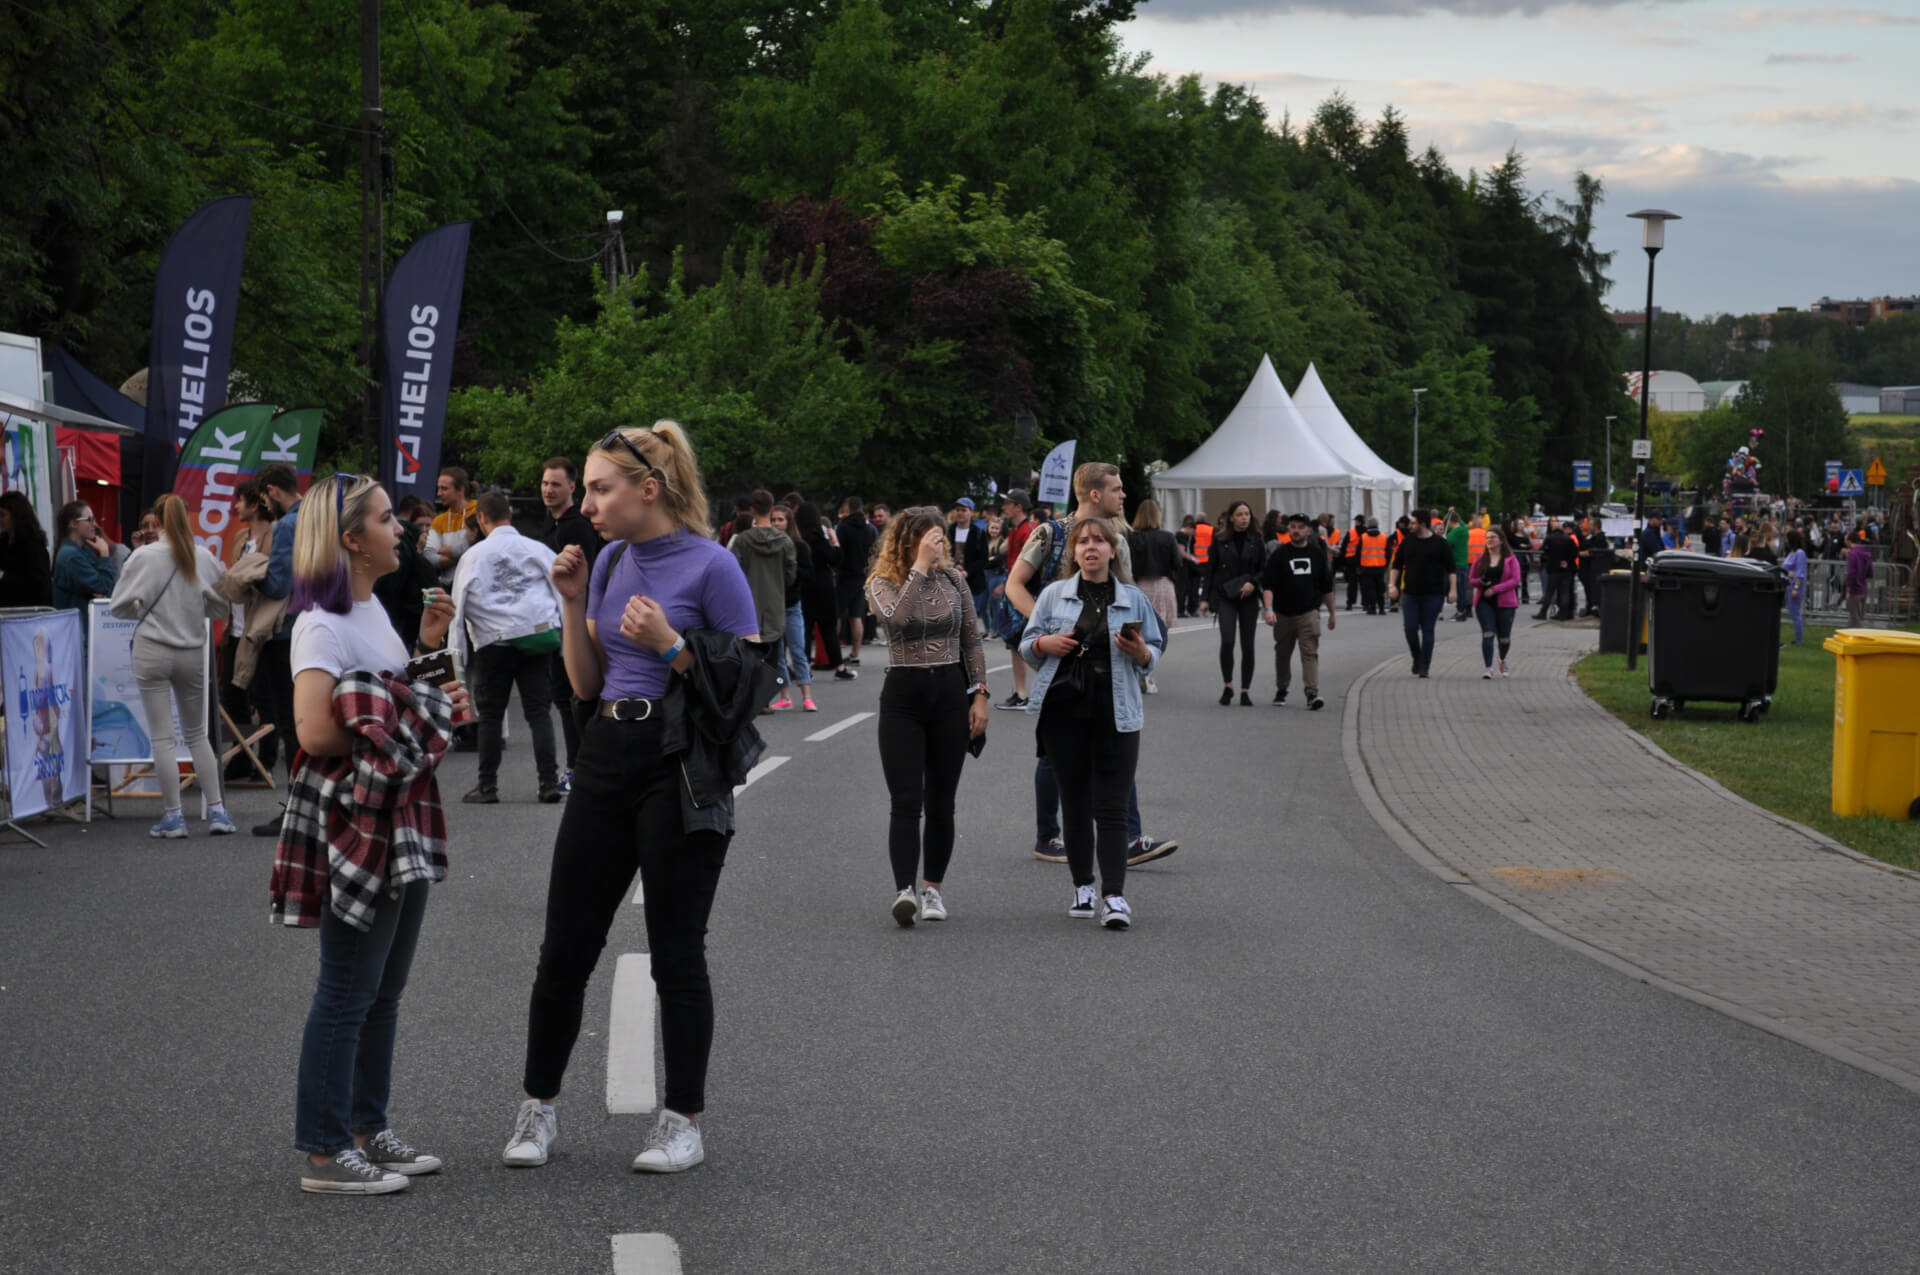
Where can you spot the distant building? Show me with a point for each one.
(1859, 400)
(1632, 320)
(1719, 392)
(1670, 392)
(1903, 399)
(1861, 311)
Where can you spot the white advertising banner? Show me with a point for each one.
(120, 731)
(44, 671)
(1056, 478)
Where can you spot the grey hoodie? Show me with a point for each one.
(767, 555)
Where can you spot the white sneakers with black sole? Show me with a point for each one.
(1114, 913)
(1085, 900)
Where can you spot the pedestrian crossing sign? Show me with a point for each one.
(1851, 483)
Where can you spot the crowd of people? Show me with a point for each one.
(661, 640)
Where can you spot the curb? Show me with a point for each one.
(1409, 842)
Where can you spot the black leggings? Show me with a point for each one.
(818, 610)
(1241, 614)
(923, 741)
(1093, 764)
(623, 814)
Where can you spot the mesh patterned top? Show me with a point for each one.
(930, 621)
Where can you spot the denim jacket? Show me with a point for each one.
(1057, 610)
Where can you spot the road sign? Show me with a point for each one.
(1876, 474)
(1479, 478)
(1833, 471)
(1851, 482)
(1643, 449)
(1583, 475)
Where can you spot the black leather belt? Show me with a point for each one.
(628, 710)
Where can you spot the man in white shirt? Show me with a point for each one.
(507, 622)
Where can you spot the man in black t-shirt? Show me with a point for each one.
(1295, 583)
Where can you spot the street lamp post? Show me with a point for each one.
(1653, 237)
(1610, 421)
(1414, 503)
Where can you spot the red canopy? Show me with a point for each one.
(96, 473)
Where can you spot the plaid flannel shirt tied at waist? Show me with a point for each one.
(371, 820)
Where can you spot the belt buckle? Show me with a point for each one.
(619, 705)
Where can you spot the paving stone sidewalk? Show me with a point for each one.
(1529, 792)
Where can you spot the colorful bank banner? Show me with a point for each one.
(118, 728)
(418, 320)
(234, 445)
(42, 663)
(196, 297)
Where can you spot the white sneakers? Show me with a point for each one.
(1114, 912)
(673, 1147)
(534, 1130)
(1084, 898)
(906, 907)
(932, 906)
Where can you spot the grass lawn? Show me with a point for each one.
(1784, 763)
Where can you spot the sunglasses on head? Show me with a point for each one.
(618, 436)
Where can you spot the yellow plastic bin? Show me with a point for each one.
(1876, 722)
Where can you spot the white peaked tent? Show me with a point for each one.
(1264, 453)
(1390, 491)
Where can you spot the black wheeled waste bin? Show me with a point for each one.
(1714, 631)
(1613, 613)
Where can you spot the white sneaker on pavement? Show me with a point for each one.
(906, 907)
(673, 1146)
(534, 1129)
(1114, 912)
(1084, 897)
(933, 907)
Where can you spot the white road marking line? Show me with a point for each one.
(646, 1254)
(837, 727)
(639, 890)
(630, 1088)
(766, 767)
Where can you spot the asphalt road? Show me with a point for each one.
(1308, 1055)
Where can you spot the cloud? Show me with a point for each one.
(1820, 59)
(1757, 19)
(1827, 118)
(1205, 10)
(1683, 161)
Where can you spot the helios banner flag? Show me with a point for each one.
(234, 445)
(418, 320)
(1056, 477)
(196, 297)
(46, 756)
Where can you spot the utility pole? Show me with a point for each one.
(613, 254)
(1610, 421)
(373, 237)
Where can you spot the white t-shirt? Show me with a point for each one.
(361, 640)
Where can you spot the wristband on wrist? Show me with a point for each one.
(672, 653)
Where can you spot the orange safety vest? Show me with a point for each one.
(1202, 541)
(1476, 543)
(1373, 549)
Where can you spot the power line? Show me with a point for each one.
(461, 123)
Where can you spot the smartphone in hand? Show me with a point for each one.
(1131, 629)
(437, 668)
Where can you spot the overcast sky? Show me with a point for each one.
(1788, 139)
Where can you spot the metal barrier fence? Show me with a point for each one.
(1890, 595)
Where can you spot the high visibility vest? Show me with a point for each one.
(1476, 543)
(1202, 541)
(1373, 549)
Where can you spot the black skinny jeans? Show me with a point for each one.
(818, 609)
(923, 743)
(1241, 615)
(623, 815)
(495, 671)
(1093, 764)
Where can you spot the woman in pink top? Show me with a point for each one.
(1496, 596)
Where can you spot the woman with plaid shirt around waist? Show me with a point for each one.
(347, 539)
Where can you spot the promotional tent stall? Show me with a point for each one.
(1264, 453)
(1383, 491)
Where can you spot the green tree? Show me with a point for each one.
(1793, 400)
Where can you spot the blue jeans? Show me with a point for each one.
(1462, 591)
(799, 665)
(1496, 627)
(1046, 805)
(346, 1054)
(1418, 612)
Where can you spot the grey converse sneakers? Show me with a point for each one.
(386, 1151)
(349, 1173)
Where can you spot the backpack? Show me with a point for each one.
(1008, 623)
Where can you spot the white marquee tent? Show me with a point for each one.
(1381, 491)
(1267, 454)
